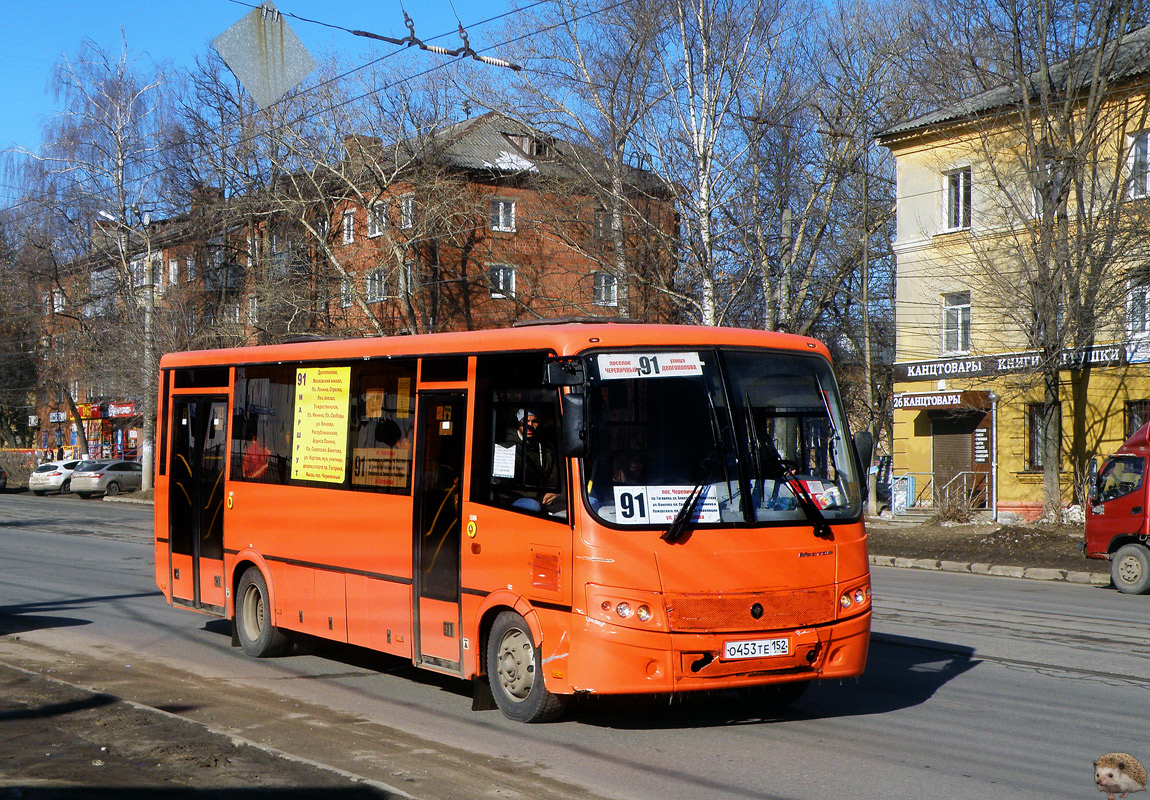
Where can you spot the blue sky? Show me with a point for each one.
(35, 35)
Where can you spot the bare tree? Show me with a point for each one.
(98, 161)
(591, 80)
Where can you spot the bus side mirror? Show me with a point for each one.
(864, 449)
(563, 372)
(573, 429)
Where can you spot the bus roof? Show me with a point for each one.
(563, 338)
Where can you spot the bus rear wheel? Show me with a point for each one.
(515, 672)
(258, 637)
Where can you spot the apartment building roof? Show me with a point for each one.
(1127, 59)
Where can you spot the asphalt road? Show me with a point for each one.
(976, 686)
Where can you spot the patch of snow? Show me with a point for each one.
(1073, 515)
(512, 162)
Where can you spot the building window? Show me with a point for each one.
(345, 293)
(1035, 440)
(1137, 415)
(1138, 309)
(606, 289)
(349, 226)
(375, 217)
(503, 215)
(407, 211)
(57, 301)
(189, 268)
(173, 271)
(601, 224)
(958, 199)
(375, 285)
(956, 322)
(502, 281)
(1139, 165)
(253, 310)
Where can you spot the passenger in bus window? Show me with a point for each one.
(255, 457)
(525, 468)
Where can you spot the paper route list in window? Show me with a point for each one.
(319, 435)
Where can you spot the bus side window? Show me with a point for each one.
(517, 463)
(383, 423)
(261, 426)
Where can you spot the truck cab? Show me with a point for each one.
(1116, 518)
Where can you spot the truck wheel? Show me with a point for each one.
(515, 672)
(1130, 569)
(254, 627)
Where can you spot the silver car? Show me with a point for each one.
(52, 476)
(107, 477)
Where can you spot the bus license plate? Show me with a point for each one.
(756, 648)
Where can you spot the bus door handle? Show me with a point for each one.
(1136, 510)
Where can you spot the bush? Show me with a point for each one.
(956, 507)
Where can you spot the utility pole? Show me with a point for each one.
(868, 370)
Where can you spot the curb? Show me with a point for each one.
(1031, 573)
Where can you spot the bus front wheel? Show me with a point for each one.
(258, 637)
(515, 672)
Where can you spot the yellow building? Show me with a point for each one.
(1016, 230)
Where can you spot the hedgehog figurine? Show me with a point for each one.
(1119, 773)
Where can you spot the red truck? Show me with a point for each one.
(1116, 518)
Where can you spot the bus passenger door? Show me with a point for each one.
(438, 529)
(196, 500)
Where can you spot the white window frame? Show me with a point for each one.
(957, 199)
(1137, 309)
(345, 293)
(173, 271)
(347, 224)
(407, 211)
(375, 285)
(502, 277)
(503, 215)
(190, 267)
(376, 214)
(253, 309)
(606, 289)
(956, 316)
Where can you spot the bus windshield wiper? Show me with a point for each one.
(679, 526)
(807, 503)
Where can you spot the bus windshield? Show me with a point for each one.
(717, 437)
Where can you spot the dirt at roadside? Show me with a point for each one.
(58, 741)
(1029, 545)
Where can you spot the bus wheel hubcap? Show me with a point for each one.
(253, 613)
(516, 664)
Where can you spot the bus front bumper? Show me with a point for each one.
(627, 661)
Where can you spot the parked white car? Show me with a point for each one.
(52, 476)
(107, 477)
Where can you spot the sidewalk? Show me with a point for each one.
(1032, 573)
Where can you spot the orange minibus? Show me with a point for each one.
(546, 510)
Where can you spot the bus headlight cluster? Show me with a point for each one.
(855, 598)
(623, 607)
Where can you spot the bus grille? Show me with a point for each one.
(732, 612)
